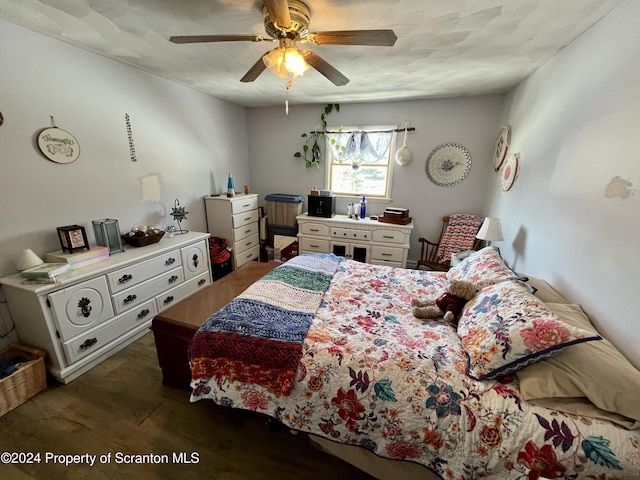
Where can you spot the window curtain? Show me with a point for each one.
(359, 146)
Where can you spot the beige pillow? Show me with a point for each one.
(595, 370)
(544, 291)
(582, 406)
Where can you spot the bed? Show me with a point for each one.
(330, 347)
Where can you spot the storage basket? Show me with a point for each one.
(24, 383)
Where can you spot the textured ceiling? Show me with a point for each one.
(444, 47)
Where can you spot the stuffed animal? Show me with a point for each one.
(448, 305)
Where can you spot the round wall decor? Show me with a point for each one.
(58, 145)
(503, 140)
(448, 164)
(509, 171)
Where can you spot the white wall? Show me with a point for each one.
(469, 121)
(576, 123)
(187, 140)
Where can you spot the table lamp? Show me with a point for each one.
(490, 231)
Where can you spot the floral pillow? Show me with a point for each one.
(482, 268)
(505, 328)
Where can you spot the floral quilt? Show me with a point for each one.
(373, 375)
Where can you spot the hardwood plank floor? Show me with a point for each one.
(121, 407)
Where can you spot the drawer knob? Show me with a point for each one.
(143, 313)
(89, 342)
(125, 278)
(168, 300)
(173, 278)
(170, 261)
(195, 260)
(84, 306)
(129, 299)
(202, 282)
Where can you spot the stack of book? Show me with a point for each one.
(45, 272)
(79, 259)
(399, 216)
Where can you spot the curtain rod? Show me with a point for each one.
(410, 129)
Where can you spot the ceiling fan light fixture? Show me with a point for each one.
(286, 60)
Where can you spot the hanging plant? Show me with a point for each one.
(311, 155)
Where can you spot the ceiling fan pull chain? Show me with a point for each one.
(286, 96)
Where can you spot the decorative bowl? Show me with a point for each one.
(135, 241)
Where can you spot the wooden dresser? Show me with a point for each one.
(94, 311)
(236, 219)
(363, 240)
(174, 328)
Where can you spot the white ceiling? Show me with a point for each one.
(444, 47)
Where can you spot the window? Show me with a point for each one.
(358, 161)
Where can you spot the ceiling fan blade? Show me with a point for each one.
(254, 72)
(279, 12)
(382, 38)
(325, 68)
(217, 38)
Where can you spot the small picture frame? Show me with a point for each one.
(73, 238)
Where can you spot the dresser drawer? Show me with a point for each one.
(245, 231)
(314, 245)
(245, 218)
(244, 205)
(139, 272)
(246, 243)
(314, 229)
(100, 336)
(173, 296)
(389, 236)
(81, 307)
(390, 254)
(247, 256)
(194, 260)
(140, 293)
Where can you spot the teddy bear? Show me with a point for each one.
(448, 305)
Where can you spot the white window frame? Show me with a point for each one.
(390, 166)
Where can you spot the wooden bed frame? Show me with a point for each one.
(174, 328)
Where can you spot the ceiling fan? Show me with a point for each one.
(287, 22)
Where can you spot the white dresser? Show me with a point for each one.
(363, 240)
(96, 310)
(236, 219)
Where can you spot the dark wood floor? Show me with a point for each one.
(121, 408)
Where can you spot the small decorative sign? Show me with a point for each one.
(58, 145)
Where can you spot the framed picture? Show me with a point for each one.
(73, 237)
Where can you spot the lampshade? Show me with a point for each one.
(285, 60)
(491, 230)
(28, 259)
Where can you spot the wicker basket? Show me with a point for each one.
(26, 382)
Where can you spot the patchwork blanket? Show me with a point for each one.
(257, 337)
